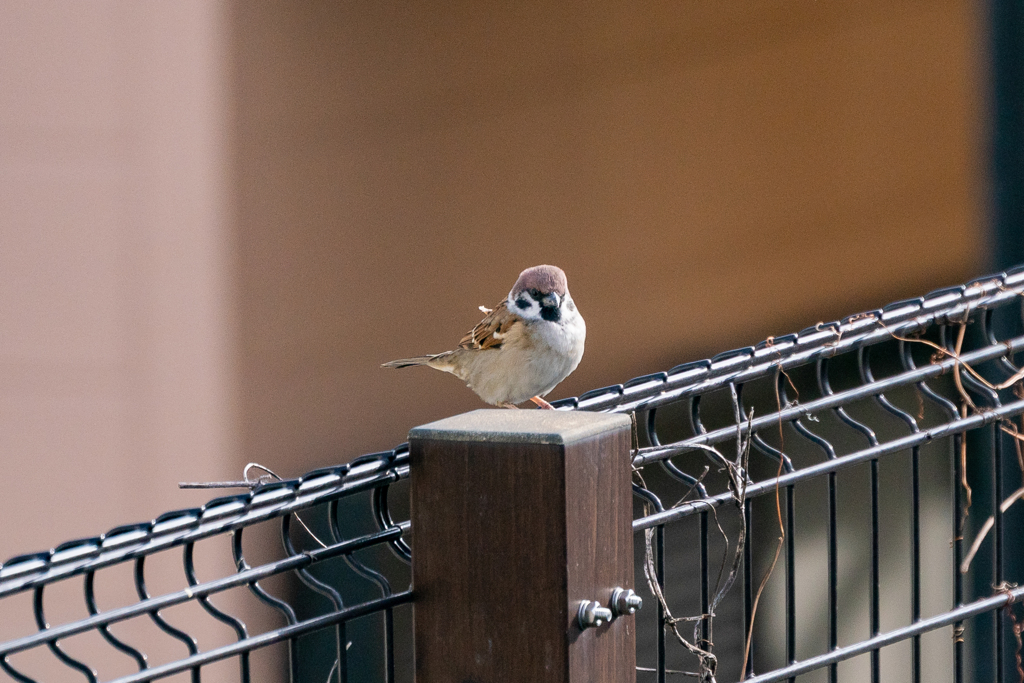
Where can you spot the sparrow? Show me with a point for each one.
(522, 348)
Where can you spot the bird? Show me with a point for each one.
(522, 348)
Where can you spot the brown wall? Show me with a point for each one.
(706, 173)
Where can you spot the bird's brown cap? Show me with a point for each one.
(545, 279)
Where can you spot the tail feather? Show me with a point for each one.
(409, 362)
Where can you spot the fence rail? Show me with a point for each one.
(822, 483)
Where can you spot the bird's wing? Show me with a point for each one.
(492, 330)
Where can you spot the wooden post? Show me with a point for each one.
(517, 517)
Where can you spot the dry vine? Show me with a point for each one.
(736, 471)
(1006, 425)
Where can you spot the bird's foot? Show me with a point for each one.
(542, 403)
(508, 405)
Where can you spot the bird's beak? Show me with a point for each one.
(551, 300)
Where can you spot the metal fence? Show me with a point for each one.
(832, 504)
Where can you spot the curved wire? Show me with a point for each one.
(357, 566)
(825, 387)
(381, 581)
(382, 514)
(698, 428)
(14, 673)
(874, 598)
(324, 589)
(37, 609)
(773, 453)
(254, 586)
(204, 600)
(763, 447)
(942, 402)
(265, 597)
(649, 496)
(652, 429)
(989, 331)
(176, 633)
(798, 425)
(970, 382)
(90, 603)
(867, 376)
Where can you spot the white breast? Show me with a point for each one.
(529, 366)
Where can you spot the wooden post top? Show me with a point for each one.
(521, 426)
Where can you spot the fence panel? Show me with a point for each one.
(836, 504)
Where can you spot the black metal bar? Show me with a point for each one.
(915, 560)
(659, 572)
(204, 589)
(90, 603)
(382, 513)
(958, 557)
(788, 414)
(659, 575)
(951, 412)
(833, 578)
(290, 632)
(66, 659)
(915, 502)
(204, 600)
(840, 463)
(748, 588)
(176, 633)
(706, 636)
(875, 607)
(380, 580)
(790, 577)
(278, 604)
(997, 545)
(216, 517)
(822, 341)
(706, 623)
(990, 604)
(389, 645)
(316, 585)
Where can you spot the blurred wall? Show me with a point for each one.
(116, 314)
(706, 173)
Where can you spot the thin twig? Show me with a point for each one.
(251, 484)
(987, 526)
(708, 661)
(331, 672)
(782, 531)
(691, 674)
(252, 465)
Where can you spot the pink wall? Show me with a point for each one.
(116, 323)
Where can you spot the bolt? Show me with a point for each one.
(625, 601)
(592, 615)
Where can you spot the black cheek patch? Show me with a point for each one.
(550, 313)
(522, 303)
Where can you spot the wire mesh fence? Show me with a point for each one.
(833, 504)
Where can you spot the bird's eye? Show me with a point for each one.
(522, 303)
